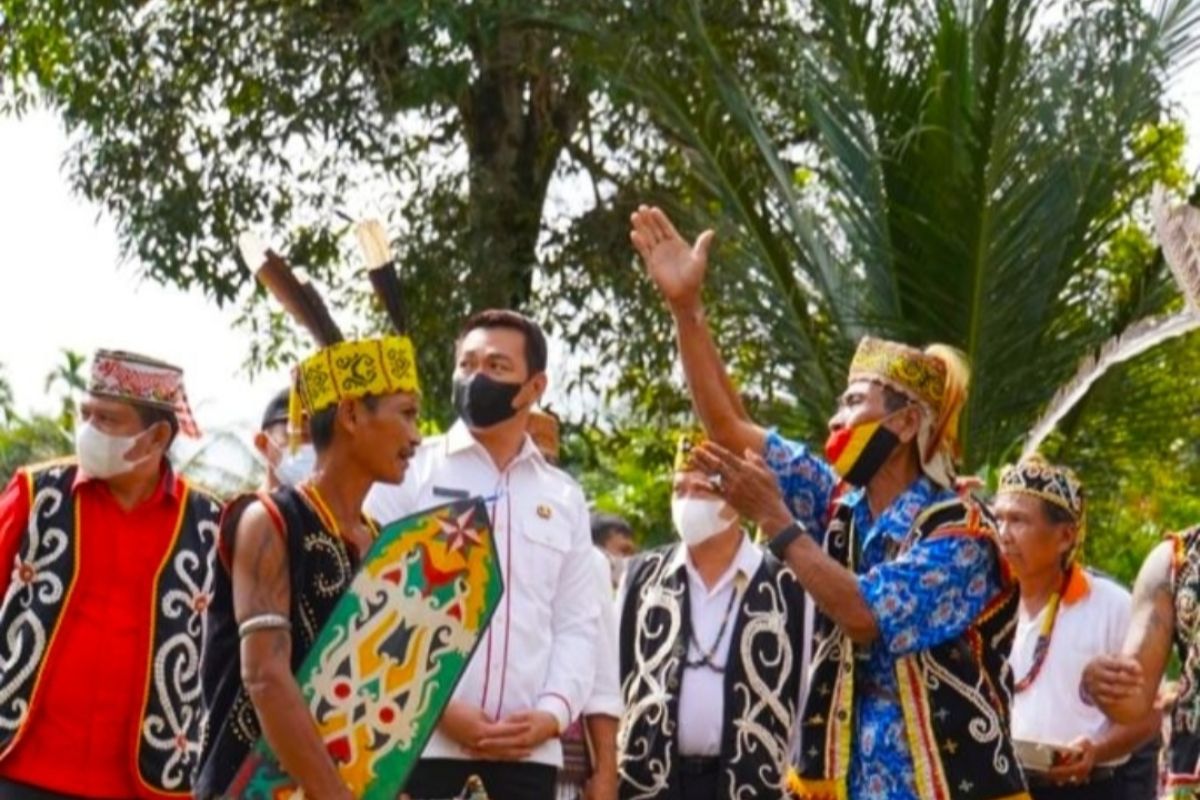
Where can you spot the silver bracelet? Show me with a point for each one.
(264, 622)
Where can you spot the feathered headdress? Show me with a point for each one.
(341, 368)
(1178, 232)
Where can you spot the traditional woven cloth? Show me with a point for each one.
(144, 381)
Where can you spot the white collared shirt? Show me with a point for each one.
(606, 688)
(540, 650)
(1092, 620)
(701, 690)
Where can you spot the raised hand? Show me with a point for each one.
(676, 267)
(746, 483)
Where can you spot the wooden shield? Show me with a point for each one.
(389, 657)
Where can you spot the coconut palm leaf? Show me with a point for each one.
(971, 161)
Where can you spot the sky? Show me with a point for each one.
(66, 286)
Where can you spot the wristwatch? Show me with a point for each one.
(781, 541)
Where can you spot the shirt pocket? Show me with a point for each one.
(538, 561)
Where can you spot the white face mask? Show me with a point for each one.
(297, 467)
(102, 455)
(699, 518)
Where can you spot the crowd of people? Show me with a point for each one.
(853, 621)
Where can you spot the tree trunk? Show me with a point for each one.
(518, 116)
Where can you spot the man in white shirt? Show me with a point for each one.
(710, 640)
(613, 537)
(590, 743)
(534, 668)
(1067, 616)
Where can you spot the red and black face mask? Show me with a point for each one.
(856, 453)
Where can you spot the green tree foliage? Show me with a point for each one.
(36, 437)
(930, 170)
(191, 121)
(971, 173)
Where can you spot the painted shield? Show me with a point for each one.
(389, 658)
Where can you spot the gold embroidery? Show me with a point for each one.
(902, 367)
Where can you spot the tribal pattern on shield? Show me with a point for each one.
(648, 691)
(171, 726)
(387, 662)
(36, 593)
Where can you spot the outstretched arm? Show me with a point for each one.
(260, 588)
(1125, 686)
(678, 269)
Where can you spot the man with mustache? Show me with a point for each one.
(904, 702)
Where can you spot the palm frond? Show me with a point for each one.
(1140, 338)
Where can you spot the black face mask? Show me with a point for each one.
(482, 402)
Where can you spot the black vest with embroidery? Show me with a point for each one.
(320, 569)
(39, 597)
(1184, 749)
(762, 680)
(955, 696)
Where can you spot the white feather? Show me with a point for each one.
(1136, 339)
(373, 240)
(1133, 342)
(1178, 231)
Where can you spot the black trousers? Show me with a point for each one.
(1107, 789)
(1138, 777)
(11, 790)
(699, 787)
(443, 778)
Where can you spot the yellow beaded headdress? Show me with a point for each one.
(341, 368)
(936, 378)
(903, 368)
(1057, 485)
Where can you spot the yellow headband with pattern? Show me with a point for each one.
(353, 369)
(903, 368)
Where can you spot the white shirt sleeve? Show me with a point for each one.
(574, 626)
(388, 502)
(606, 688)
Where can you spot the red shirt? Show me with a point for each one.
(82, 732)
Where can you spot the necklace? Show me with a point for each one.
(310, 491)
(1042, 646)
(707, 658)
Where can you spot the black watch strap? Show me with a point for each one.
(781, 541)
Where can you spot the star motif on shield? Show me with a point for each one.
(458, 531)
